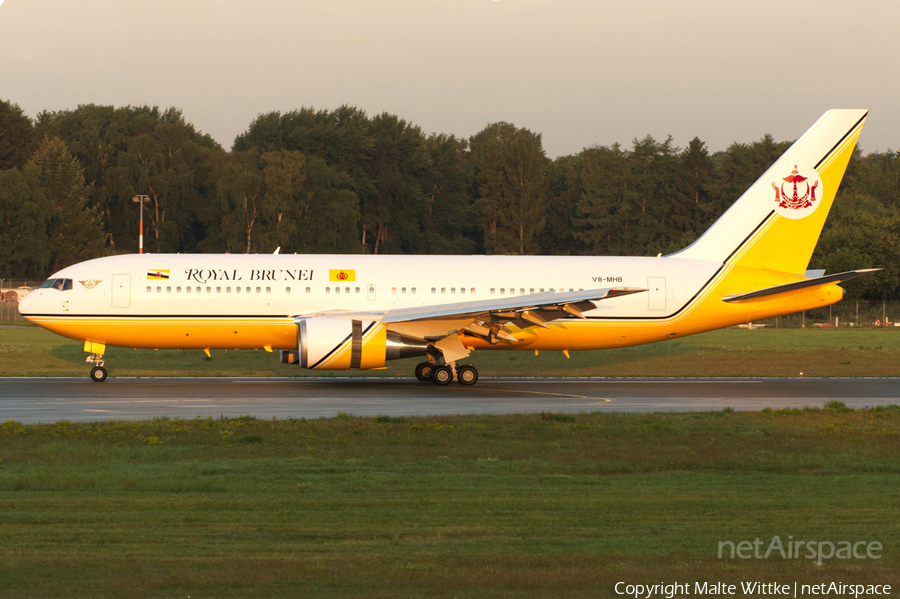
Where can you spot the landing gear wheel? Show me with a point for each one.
(442, 375)
(467, 375)
(424, 371)
(98, 374)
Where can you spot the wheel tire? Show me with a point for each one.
(442, 375)
(98, 374)
(424, 371)
(467, 375)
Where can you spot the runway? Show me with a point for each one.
(31, 400)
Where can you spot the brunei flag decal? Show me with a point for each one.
(158, 274)
(341, 275)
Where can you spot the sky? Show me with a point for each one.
(580, 72)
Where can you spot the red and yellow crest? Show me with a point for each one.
(341, 275)
(796, 197)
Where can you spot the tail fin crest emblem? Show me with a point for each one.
(792, 203)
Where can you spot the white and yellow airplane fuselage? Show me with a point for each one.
(357, 311)
(251, 301)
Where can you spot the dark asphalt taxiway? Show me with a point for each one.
(30, 400)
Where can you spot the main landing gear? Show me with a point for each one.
(446, 373)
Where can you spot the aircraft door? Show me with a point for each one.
(121, 291)
(656, 299)
(370, 291)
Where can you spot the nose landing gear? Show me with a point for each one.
(98, 372)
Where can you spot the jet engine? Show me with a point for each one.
(342, 344)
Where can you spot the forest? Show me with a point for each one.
(340, 181)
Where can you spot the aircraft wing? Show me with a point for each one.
(575, 301)
(797, 285)
(486, 318)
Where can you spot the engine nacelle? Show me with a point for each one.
(342, 344)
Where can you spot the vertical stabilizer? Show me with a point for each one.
(776, 223)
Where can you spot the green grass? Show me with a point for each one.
(30, 351)
(462, 506)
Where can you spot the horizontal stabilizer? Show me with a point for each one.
(797, 285)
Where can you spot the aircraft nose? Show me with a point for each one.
(28, 303)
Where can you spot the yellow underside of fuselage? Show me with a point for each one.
(176, 333)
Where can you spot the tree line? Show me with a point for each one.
(339, 181)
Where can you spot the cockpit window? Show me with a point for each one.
(60, 284)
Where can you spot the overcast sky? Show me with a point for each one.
(580, 72)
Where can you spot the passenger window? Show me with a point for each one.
(433, 290)
(308, 290)
(531, 290)
(188, 289)
(403, 290)
(503, 291)
(237, 289)
(287, 289)
(218, 290)
(258, 290)
(443, 290)
(492, 291)
(462, 289)
(472, 291)
(337, 289)
(328, 290)
(346, 290)
(159, 290)
(148, 289)
(413, 290)
(178, 290)
(168, 290)
(208, 289)
(521, 290)
(228, 290)
(268, 290)
(357, 290)
(453, 290)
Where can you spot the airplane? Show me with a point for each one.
(338, 312)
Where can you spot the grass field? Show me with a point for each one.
(31, 351)
(536, 505)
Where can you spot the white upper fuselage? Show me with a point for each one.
(290, 285)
